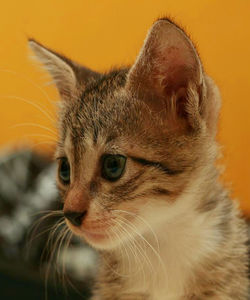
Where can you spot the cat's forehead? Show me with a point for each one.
(101, 123)
(96, 97)
(102, 112)
(106, 83)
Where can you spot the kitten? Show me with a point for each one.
(136, 169)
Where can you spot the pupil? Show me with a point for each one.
(113, 164)
(64, 169)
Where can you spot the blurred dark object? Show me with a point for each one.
(27, 193)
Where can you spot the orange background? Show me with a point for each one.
(104, 33)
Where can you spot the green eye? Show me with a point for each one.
(113, 166)
(64, 170)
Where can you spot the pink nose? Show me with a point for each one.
(75, 218)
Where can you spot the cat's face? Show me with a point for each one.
(133, 140)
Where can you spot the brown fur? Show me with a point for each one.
(161, 114)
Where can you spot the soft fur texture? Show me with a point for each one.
(167, 229)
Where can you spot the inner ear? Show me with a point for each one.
(168, 65)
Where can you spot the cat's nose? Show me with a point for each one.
(75, 218)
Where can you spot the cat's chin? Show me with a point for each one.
(97, 239)
(100, 240)
(105, 240)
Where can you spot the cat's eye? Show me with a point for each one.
(64, 170)
(113, 166)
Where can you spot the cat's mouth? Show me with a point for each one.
(94, 235)
(101, 231)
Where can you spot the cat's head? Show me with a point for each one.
(133, 141)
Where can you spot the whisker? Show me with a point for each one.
(54, 212)
(60, 268)
(107, 263)
(27, 79)
(32, 230)
(145, 222)
(123, 245)
(49, 244)
(41, 135)
(66, 246)
(31, 103)
(52, 254)
(34, 125)
(161, 263)
(139, 246)
(64, 275)
(51, 236)
(131, 225)
(123, 248)
(135, 253)
(131, 245)
(41, 219)
(48, 228)
(43, 143)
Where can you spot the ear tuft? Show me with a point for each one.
(58, 67)
(69, 77)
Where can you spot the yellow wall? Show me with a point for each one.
(105, 33)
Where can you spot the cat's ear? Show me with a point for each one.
(69, 77)
(168, 74)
